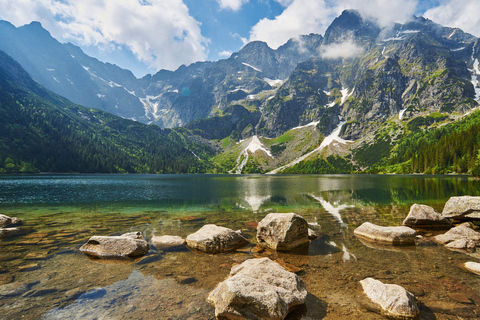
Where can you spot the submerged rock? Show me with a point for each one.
(390, 300)
(168, 242)
(258, 289)
(9, 232)
(473, 267)
(115, 247)
(214, 239)
(282, 231)
(462, 231)
(395, 235)
(462, 208)
(422, 216)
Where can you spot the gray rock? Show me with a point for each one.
(134, 235)
(462, 231)
(422, 216)
(167, 242)
(13, 289)
(462, 208)
(258, 289)
(473, 267)
(461, 244)
(9, 232)
(214, 239)
(395, 235)
(6, 220)
(390, 300)
(311, 234)
(115, 247)
(282, 231)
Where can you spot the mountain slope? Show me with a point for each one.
(42, 131)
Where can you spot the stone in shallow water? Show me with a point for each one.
(6, 220)
(462, 208)
(115, 247)
(282, 231)
(473, 267)
(390, 300)
(134, 235)
(461, 244)
(394, 235)
(422, 216)
(462, 231)
(168, 242)
(214, 239)
(9, 232)
(258, 289)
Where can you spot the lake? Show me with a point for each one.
(43, 275)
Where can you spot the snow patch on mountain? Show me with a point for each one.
(256, 69)
(253, 146)
(311, 124)
(475, 72)
(274, 83)
(345, 94)
(400, 114)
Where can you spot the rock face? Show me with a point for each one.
(473, 267)
(462, 208)
(282, 231)
(462, 231)
(6, 220)
(390, 300)
(214, 239)
(258, 289)
(393, 235)
(422, 216)
(168, 242)
(115, 247)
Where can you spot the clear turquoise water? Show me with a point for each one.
(60, 212)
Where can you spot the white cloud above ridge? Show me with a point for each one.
(346, 49)
(463, 14)
(159, 32)
(233, 5)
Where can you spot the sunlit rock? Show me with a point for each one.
(9, 232)
(6, 220)
(258, 289)
(462, 231)
(422, 216)
(395, 235)
(115, 247)
(134, 235)
(461, 244)
(214, 239)
(462, 208)
(167, 242)
(282, 231)
(390, 300)
(473, 267)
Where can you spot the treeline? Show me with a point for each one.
(332, 164)
(453, 148)
(40, 131)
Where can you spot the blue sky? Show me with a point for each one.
(148, 35)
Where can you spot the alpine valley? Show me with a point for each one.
(360, 98)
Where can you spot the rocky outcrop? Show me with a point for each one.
(394, 235)
(6, 221)
(462, 208)
(472, 267)
(462, 231)
(168, 242)
(109, 247)
(422, 216)
(282, 231)
(390, 300)
(214, 239)
(258, 289)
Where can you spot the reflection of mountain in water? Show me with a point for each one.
(256, 192)
(334, 209)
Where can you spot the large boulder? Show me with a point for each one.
(282, 231)
(6, 220)
(394, 235)
(422, 216)
(462, 208)
(214, 239)
(390, 300)
(462, 231)
(167, 242)
(258, 289)
(109, 247)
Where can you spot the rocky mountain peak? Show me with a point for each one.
(351, 24)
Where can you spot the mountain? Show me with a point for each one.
(41, 131)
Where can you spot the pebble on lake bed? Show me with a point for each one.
(473, 267)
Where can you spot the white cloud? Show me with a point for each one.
(232, 4)
(346, 49)
(225, 53)
(159, 32)
(463, 14)
(307, 16)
